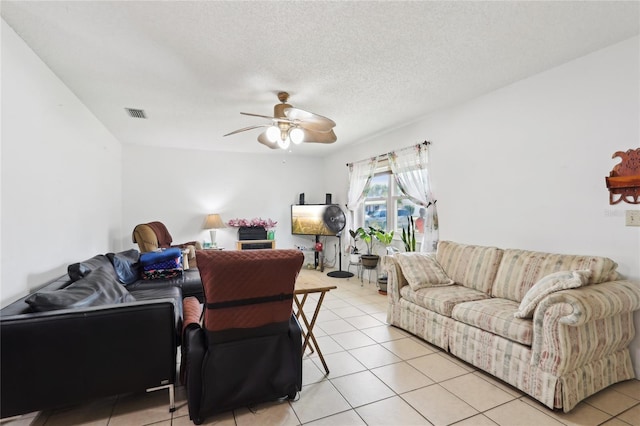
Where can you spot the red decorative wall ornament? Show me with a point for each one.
(624, 179)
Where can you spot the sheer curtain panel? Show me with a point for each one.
(410, 169)
(360, 175)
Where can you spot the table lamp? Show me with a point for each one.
(213, 222)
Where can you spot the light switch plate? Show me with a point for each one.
(632, 218)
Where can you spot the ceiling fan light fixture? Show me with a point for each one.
(283, 143)
(273, 133)
(296, 135)
(290, 125)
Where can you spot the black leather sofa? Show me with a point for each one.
(123, 340)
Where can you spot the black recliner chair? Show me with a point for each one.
(248, 349)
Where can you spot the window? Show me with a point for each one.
(376, 201)
(385, 207)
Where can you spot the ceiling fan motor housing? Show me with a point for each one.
(278, 110)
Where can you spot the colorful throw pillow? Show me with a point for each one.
(422, 270)
(548, 284)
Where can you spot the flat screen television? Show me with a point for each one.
(306, 219)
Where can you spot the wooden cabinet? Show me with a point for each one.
(255, 244)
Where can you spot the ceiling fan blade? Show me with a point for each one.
(283, 119)
(319, 137)
(309, 120)
(262, 138)
(247, 128)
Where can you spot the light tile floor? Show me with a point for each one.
(380, 375)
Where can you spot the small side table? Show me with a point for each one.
(304, 289)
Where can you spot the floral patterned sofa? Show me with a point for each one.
(555, 326)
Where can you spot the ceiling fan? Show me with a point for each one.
(292, 125)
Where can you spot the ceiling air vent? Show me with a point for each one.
(136, 113)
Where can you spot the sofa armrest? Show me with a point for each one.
(573, 327)
(62, 357)
(395, 278)
(191, 311)
(597, 301)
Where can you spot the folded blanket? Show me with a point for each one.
(174, 263)
(155, 274)
(160, 256)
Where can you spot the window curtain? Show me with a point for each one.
(360, 175)
(410, 169)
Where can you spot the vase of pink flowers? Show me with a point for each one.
(254, 229)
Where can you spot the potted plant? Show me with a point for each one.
(409, 236)
(354, 255)
(369, 260)
(384, 237)
(254, 229)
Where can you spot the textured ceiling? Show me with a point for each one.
(369, 66)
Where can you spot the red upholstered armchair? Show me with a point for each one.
(154, 235)
(248, 349)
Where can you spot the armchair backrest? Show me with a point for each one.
(151, 236)
(246, 289)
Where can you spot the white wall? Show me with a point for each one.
(524, 166)
(61, 175)
(180, 187)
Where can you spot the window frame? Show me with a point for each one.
(391, 201)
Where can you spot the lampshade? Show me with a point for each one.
(213, 221)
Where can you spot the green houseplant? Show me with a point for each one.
(369, 260)
(409, 236)
(369, 235)
(384, 237)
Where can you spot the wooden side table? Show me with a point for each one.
(304, 289)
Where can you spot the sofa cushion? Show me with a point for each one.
(495, 316)
(471, 266)
(422, 270)
(521, 269)
(165, 292)
(80, 270)
(97, 288)
(548, 284)
(441, 299)
(126, 265)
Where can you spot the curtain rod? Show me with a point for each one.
(383, 156)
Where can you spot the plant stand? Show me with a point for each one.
(357, 264)
(369, 271)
